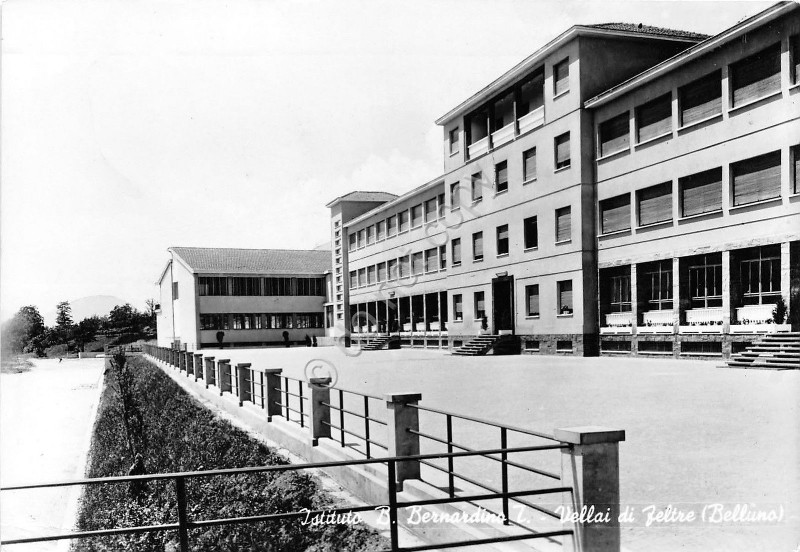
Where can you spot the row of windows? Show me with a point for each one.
(300, 320)
(428, 211)
(752, 180)
(422, 262)
(257, 286)
(751, 79)
(563, 297)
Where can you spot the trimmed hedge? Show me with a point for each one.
(183, 436)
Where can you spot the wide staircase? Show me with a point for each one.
(778, 351)
(376, 344)
(481, 345)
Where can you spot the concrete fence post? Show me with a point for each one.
(272, 392)
(198, 365)
(209, 371)
(241, 376)
(320, 413)
(188, 362)
(401, 418)
(175, 362)
(224, 375)
(591, 467)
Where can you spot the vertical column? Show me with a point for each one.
(243, 388)
(402, 417)
(726, 292)
(591, 467)
(320, 413)
(676, 305)
(272, 392)
(209, 371)
(198, 365)
(439, 295)
(634, 304)
(786, 276)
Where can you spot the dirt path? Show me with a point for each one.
(46, 416)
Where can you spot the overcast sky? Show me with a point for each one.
(129, 127)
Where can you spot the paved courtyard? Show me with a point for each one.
(697, 434)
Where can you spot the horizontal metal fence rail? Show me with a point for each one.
(366, 437)
(301, 400)
(184, 523)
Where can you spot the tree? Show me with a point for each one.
(122, 318)
(22, 330)
(86, 330)
(64, 315)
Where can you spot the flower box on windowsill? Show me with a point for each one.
(755, 314)
(618, 322)
(701, 329)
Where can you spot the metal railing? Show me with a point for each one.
(392, 507)
(366, 438)
(286, 402)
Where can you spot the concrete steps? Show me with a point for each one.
(778, 351)
(477, 346)
(376, 344)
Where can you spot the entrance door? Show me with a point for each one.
(503, 305)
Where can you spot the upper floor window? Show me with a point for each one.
(502, 240)
(531, 229)
(416, 263)
(352, 244)
(442, 257)
(654, 204)
(795, 169)
(477, 187)
(532, 300)
(615, 214)
(362, 277)
(416, 216)
(430, 210)
(654, 118)
(562, 151)
(614, 134)
(370, 235)
(477, 246)
(371, 275)
(529, 165)
(391, 226)
(756, 76)
(402, 220)
(563, 224)
(391, 268)
(455, 246)
(501, 177)
(757, 178)
(455, 196)
(212, 285)
(561, 77)
(353, 279)
(381, 272)
(531, 94)
(701, 193)
(431, 260)
(453, 141)
(362, 237)
(794, 50)
(246, 286)
(380, 230)
(701, 99)
(277, 286)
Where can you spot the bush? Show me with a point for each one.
(183, 436)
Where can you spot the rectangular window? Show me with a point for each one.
(430, 210)
(381, 272)
(258, 322)
(431, 259)
(654, 118)
(277, 286)
(756, 76)
(213, 322)
(455, 247)
(615, 214)
(212, 285)
(502, 240)
(404, 267)
(477, 246)
(563, 224)
(614, 134)
(477, 187)
(391, 268)
(371, 275)
(620, 293)
(701, 99)
(442, 257)
(658, 281)
(370, 235)
(380, 230)
(654, 204)
(242, 286)
(561, 77)
(455, 196)
(416, 216)
(402, 218)
(529, 165)
(705, 281)
(501, 177)
(453, 140)
(352, 244)
(794, 50)
(531, 229)
(795, 169)
(757, 178)
(440, 199)
(531, 94)
(564, 289)
(562, 151)
(353, 279)
(458, 307)
(174, 290)
(761, 276)
(701, 193)
(532, 300)
(391, 226)
(238, 322)
(480, 306)
(362, 277)
(416, 263)
(310, 287)
(362, 237)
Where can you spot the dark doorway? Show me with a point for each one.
(503, 305)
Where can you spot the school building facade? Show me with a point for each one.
(625, 189)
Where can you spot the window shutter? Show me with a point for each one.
(655, 204)
(614, 134)
(563, 224)
(701, 99)
(757, 179)
(796, 169)
(456, 250)
(615, 214)
(561, 77)
(757, 75)
(529, 163)
(655, 118)
(477, 242)
(562, 151)
(701, 193)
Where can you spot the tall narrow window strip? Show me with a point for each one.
(453, 141)
(655, 204)
(701, 193)
(532, 300)
(480, 305)
(477, 246)
(562, 151)
(477, 186)
(370, 235)
(531, 229)
(458, 307)
(529, 165)
(565, 305)
(442, 257)
(416, 263)
(654, 118)
(615, 214)
(430, 210)
(402, 220)
(440, 199)
(795, 169)
(615, 134)
(561, 77)
(380, 230)
(563, 224)
(701, 99)
(391, 226)
(501, 177)
(455, 245)
(431, 260)
(757, 179)
(416, 216)
(502, 239)
(756, 76)
(455, 196)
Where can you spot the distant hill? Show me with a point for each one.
(95, 305)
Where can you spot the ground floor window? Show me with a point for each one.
(480, 306)
(620, 293)
(458, 308)
(564, 289)
(658, 286)
(532, 300)
(308, 320)
(761, 277)
(705, 282)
